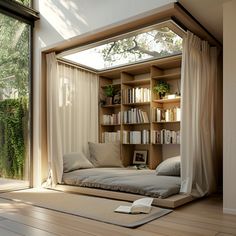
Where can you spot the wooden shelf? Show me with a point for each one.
(165, 122)
(136, 104)
(115, 85)
(146, 123)
(135, 144)
(143, 75)
(172, 100)
(111, 106)
(165, 144)
(138, 82)
(110, 125)
(172, 76)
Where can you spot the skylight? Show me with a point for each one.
(138, 46)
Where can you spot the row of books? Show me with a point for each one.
(136, 137)
(166, 115)
(113, 119)
(165, 136)
(135, 95)
(111, 137)
(135, 115)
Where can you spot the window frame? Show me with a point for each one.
(19, 11)
(28, 16)
(170, 23)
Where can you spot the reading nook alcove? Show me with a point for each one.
(142, 92)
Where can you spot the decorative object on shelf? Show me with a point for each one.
(110, 92)
(171, 96)
(161, 88)
(102, 102)
(140, 157)
(177, 93)
(117, 97)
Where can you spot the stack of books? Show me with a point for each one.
(136, 137)
(111, 137)
(165, 136)
(136, 95)
(166, 115)
(113, 119)
(135, 115)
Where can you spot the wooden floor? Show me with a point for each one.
(203, 217)
(12, 184)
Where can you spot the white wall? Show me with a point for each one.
(64, 19)
(229, 98)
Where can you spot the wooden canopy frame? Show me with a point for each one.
(173, 11)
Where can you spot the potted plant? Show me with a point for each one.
(161, 89)
(109, 92)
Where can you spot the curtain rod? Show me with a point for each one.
(75, 65)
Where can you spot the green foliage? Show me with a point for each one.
(161, 88)
(13, 113)
(24, 2)
(155, 43)
(14, 78)
(110, 90)
(14, 54)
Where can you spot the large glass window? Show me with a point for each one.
(14, 98)
(145, 44)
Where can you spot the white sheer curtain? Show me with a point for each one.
(72, 112)
(198, 92)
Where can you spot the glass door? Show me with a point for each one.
(14, 103)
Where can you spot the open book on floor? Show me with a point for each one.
(142, 205)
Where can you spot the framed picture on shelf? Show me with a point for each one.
(116, 98)
(140, 157)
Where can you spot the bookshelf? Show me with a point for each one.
(138, 109)
(171, 100)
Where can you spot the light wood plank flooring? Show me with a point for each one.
(12, 184)
(202, 217)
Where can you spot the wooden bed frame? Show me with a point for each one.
(170, 202)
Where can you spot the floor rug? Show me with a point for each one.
(95, 208)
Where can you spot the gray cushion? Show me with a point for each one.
(169, 167)
(105, 154)
(74, 161)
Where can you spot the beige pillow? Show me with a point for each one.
(169, 167)
(74, 161)
(105, 154)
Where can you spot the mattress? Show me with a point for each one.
(143, 182)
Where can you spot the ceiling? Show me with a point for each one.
(209, 13)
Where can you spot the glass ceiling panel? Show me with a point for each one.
(149, 45)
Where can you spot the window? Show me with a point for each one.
(16, 25)
(146, 44)
(14, 96)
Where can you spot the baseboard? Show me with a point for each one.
(229, 211)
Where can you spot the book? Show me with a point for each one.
(142, 205)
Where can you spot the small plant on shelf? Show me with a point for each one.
(110, 92)
(161, 89)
